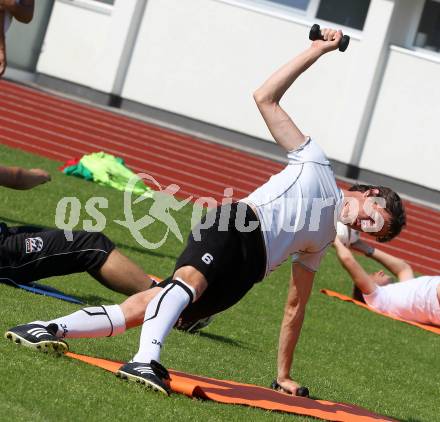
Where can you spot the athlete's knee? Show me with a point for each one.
(101, 241)
(192, 277)
(92, 240)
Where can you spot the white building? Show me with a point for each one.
(195, 63)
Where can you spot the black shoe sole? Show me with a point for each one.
(197, 326)
(149, 384)
(48, 346)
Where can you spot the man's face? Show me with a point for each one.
(367, 213)
(380, 278)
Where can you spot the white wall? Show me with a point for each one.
(203, 59)
(404, 139)
(85, 41)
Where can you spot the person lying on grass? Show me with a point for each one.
(236, 245)
(30, 253)
(407, 297)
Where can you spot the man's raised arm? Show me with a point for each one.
(359, 276)
(400, 268)
(2, 43)
(268, 96)
(22, 10)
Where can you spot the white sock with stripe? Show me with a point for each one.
(160, 316)
(94, 321)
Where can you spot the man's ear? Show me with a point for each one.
(371, 192)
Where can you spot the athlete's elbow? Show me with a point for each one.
(261, 96)
(404, 266)
(11, 177)
(345, 258)
(404, 271)
(27, 18)
(25, 14)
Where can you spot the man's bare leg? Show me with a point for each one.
(122, 275)
(134, 307)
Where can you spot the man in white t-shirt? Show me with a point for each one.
(411, 298)
(236, 245)
(23, 11)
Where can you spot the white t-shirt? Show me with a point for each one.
(414, 300)
(298, 208)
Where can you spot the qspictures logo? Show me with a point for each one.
(158, 207)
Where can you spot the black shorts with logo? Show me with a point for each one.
(31, 253)
(232, 261)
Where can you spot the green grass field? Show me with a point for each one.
(345, 353)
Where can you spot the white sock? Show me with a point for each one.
(95, 321)
(160, 316)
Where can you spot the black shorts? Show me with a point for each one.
(232, 261)
(31, 253)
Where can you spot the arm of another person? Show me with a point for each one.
(22, 179)
(2, 43)
(400, 268)
(359, 276)
(299, 292)
(268, 96)
(23, 10)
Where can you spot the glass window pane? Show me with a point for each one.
(112, 2)
(428, 34)
(298, 4)
(350, 13)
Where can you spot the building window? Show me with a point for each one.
(428, 34)
(297, 4)
(351, 13)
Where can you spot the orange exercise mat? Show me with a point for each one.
(231, 392)
(427, 327)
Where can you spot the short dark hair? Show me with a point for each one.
(394, 206)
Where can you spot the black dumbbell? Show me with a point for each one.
(301, 391)
(315, 34)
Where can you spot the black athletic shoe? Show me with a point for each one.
(193, 326)
(38, 337)
(152, 374)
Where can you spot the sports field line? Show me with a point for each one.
(61, 140)
(126, 126)
(80, 131)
